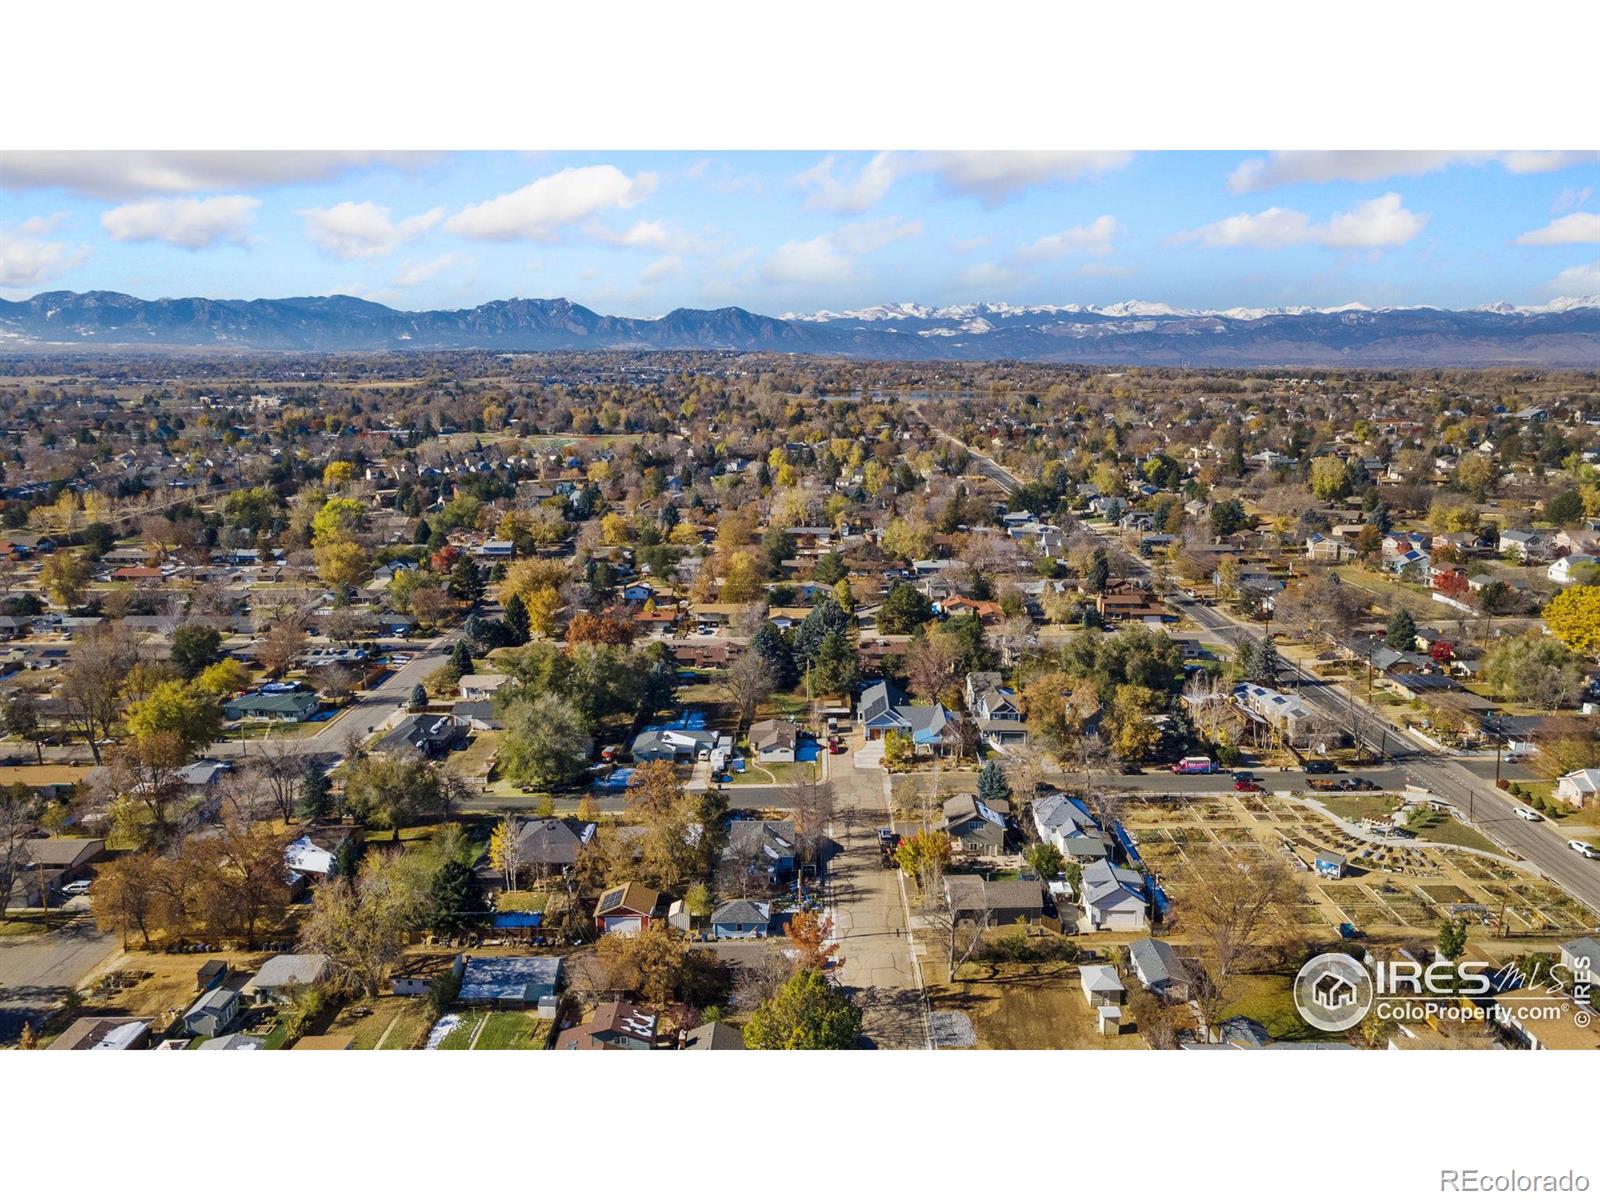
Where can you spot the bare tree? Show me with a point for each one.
(747, 683)
(1232, 910)
(811, 803)
(19, 809)
(282, 767)
(91, 681)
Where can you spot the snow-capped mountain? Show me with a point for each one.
(1562, 333)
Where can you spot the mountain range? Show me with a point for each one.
(1563, 333)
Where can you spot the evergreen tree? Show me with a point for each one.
(904, 610)
(1098, 573)
(516, 621)
(774, 650)
(466, 583)
(825, 618)
(830, 568)
(461, 658)
(837, 665)
(315, 797)
(419, 697)
(1401, 632)
(424, 533)
(992, 783)
(453, 899)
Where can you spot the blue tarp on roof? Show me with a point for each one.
(518, 920)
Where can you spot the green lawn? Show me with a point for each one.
(512, 1030)
(460, 1038)
(1360, 808)
(1269, 999)
(1436, 827)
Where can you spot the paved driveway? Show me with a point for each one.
(869, 913)
(37, 970)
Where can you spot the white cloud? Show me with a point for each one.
(870, 185)
(1380, 222)
(1563, 231)
(44, 226)
(1093, 238)
(988, 275)
(663, 268)
(996, 176)
(831, 257)
(1571, 198)
(1383, 221)
(117, 174)
(415, 273)
(538, 211)
(27, 259)
(1538, 162)
(362, 229)
(993, 177)
(1287, 167)
(1576, 281)
(660, 236)
(191, 224)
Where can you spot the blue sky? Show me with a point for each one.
(638, 234)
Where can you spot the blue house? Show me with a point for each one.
(883, 708)
(741, 919)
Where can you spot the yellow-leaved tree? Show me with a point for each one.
(1574, 617)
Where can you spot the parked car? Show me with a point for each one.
(78, 887)
(1320, 766)
(1246, 785)
(1583, 848)
(1526, 813)
(1245, 775)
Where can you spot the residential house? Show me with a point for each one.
(480, 687)
(1066, 824)
(994, 903)
(1560, 571)
(551, 845)
(774, 740)
(714, 1035)
(1101, 985)
(996, 710)
(512, 981)
(283, 974)
(1113, 898)
(883, 707)
(974, 826)
(272, 706)
(1524, 544)
(1127, 601)
(213, 1012)
(766, 848)
(1323, 549)
(431, 735)
(616, 1025)
(741, 919)
(1288, 717)
(1579, 787)
(104, 1033)
(1157, 967)
(628, 908)
(1581, 959)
